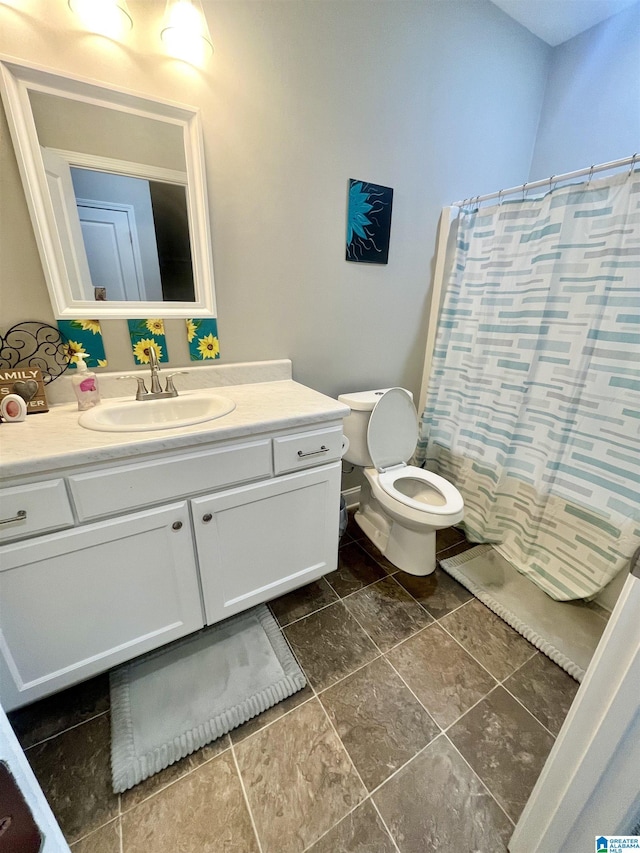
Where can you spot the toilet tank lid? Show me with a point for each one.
(364, 401)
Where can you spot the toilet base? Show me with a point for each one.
(413, 551)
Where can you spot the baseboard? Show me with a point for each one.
(351, 496)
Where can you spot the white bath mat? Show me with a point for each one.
(172, 702)
(566, 631)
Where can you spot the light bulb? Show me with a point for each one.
(185, 32)
(109, 18)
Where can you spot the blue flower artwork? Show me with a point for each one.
(368, 222)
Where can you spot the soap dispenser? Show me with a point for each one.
(85, 385)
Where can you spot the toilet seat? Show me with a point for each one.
(452, 499)
(392, 432)
(392, 435)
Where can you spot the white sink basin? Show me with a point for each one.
(142, 415)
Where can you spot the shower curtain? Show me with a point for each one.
(533, 406)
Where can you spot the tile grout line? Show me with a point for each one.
(384, 823)
(355, 769)
(340, 598)
(327, 831)
(179, 779)
(528, 710)
(277, 719)
(362, 628)
(424, 606)
(121, 833)
(531, 714)
(454, 609)
(318, 693)
(346, 751)
(471, 655)
(500, 682)
(306, 615)
(410, 637)
(415, 695)
(482, 782)
(369, 795)
(84, 837)
(405, 764)
(383, 656)
(470, 708)
(246, 798)
(362, 666)
(64, 731)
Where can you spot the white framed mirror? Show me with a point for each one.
(116, 189)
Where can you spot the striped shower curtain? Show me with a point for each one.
(533, 408)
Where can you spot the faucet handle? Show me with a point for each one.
(142, 390)
(170, 387)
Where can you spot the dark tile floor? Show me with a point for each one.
(424, 726)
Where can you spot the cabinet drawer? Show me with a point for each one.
(115, 490)
(46, 506)
(306, 449)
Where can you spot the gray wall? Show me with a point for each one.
(436, 99)
(591, 110)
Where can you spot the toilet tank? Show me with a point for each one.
(356, 424)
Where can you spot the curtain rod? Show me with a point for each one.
(614, 164)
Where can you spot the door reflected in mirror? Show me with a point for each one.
(117, 195)
(135, 235)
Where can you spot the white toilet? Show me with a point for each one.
(401, 506)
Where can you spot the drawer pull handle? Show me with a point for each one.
(207, 517)
(19, 516)
(323, 449)
(177, 525)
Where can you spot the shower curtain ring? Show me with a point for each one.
(500, 199)
(633, 163)
(590, 174)
(524, 191)
(551, 183)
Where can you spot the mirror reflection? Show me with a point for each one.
(117, 195)
(131, 238)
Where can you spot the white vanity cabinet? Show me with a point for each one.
(256, 542)
(78, 602)
(151, 549)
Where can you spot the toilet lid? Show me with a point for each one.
(392, 434)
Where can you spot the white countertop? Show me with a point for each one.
(54, 439)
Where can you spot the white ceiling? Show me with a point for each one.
(555, 21)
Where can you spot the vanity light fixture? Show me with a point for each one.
(185, 32)
(109, 18)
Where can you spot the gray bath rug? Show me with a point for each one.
(566, 631)
(171, 702)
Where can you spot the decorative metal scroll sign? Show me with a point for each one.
(36, 345)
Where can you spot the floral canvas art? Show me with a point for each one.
(84, 336)
(202, 336)
(368, 222)
(145, 334)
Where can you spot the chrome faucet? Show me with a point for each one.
(156, 388)
(156, 392)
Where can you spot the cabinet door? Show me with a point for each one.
(79, 602)
(257, 542)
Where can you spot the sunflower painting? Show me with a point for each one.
(368, 222)
(84, 336)
(202, 336)
(145, 334)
